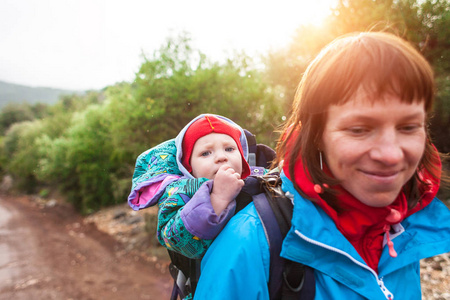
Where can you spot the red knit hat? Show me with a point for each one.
(204, 126)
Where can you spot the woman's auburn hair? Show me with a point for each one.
(380, 63)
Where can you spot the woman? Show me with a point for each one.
(363, 173)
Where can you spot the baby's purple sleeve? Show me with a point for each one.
(199, 217)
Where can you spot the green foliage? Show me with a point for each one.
(70, 103)
(440, 123)
(54, 167)
(179, 83)
(19, 148)
(435, 43)
(80, 160)
(363, 15)
(126, 116)
(286, 66)
(14, 113)
(435, 34)
(44, 193)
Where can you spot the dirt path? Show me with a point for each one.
(50, 253)
(47, 251)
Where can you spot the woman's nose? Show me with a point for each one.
(387, 149)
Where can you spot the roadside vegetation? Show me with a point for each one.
(86, 145)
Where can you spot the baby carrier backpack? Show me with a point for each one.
(287, 279)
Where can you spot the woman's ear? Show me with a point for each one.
(320, 146)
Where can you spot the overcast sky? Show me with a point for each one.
(89, 44)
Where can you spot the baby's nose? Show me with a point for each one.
(221, 156)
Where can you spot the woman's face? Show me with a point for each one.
(374, 148)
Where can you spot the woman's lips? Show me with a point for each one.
(382, 176)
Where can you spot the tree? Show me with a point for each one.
(14, 113)
(79, 160)
(286, 66)
(179, 83)
(20, 149)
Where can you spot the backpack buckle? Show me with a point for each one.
(252, 159)
(181, 284)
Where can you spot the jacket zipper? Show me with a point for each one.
(380, 282)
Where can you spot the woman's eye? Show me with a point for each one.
(357, 130)
(410, 128)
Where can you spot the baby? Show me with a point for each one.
(194, 179)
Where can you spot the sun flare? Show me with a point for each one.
(281, 21)
(313, 12)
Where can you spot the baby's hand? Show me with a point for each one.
(227, 185)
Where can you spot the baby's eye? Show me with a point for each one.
(205, 153)
(229, 149)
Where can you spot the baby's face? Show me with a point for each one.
(212, 151)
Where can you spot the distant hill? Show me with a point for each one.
(15, 93)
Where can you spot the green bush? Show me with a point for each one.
(79, 161)
(22, 154)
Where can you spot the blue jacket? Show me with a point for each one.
(236, 266)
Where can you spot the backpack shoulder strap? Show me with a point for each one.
(274, 238)
(287, 279)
